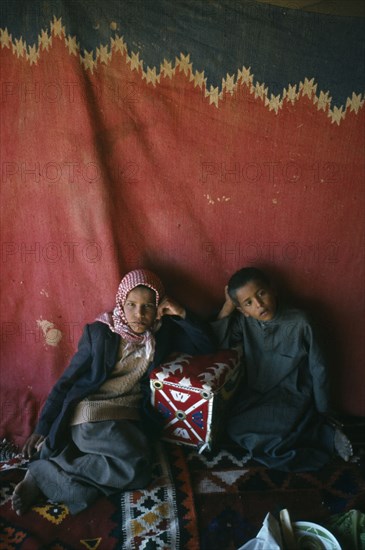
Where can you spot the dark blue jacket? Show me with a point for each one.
(95, 359)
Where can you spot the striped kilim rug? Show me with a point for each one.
(161, 517)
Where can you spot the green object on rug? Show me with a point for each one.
(233, 495)
(349, 528)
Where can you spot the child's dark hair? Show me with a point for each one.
(244, 276)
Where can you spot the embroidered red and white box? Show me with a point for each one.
(192, 393)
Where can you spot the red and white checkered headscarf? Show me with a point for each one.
(116, 320)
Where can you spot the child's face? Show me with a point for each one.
(256, 300)
(140, 309)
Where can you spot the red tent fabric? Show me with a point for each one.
(109, 164)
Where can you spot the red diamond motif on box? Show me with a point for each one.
(191, 394)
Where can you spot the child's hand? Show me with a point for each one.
(228, 306)
(170, 307)
(32, 445)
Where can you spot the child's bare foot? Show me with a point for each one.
(343, 445)
(25, 494)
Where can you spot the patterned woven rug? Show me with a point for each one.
(161, 517)
(233, 495)
(210, 501)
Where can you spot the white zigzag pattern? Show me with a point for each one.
(231, 84)
(222, 455)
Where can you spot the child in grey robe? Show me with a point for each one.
(280, 412)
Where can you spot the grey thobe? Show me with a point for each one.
(101, 458)
(277, 412)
